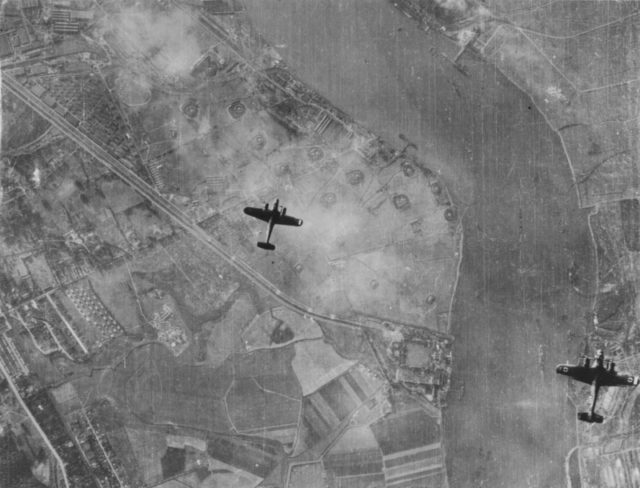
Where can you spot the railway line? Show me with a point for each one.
(179, 217)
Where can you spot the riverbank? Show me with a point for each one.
(523, 229)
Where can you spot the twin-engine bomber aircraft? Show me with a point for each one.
(597, 372)
(272, 216)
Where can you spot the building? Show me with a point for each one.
(38, 90)
(6, 49)
(11, 357)
(31, 8)
(14, 464)
(59, 15)
(66, 27)
(64, 15)
(61, 110)
(38, 69)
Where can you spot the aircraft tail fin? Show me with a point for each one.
(591, 418)
(266, 245)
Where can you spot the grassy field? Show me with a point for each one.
(149, 447)
(316, 363)
(252, 406)
(114, 289)
(223, 336)
(20, 123)
(363, 236)
(405, 430)
(257, 457)
(152, 386)
(257, 390)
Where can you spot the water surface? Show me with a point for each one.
(511, 426)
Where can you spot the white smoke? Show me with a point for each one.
(167, 38)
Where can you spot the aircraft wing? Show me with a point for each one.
(258, 213)
(617, 379)
(288, 220)
(578, 373)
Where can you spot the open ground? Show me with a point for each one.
(523, 229)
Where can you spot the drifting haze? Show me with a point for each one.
(166, 37)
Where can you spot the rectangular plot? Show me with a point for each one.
(311, 432)
(324, 410)
(354, 463)
(251, 407)
(364, 481)
(258, 460)
(409, 430)
(434, 480)
(338, 399)
(350, 391)
(420, 479)
(365, 385)
(412, 469)
(148, 447)
(353, 383)
(630, 215)
(316, 423)
(412, 456)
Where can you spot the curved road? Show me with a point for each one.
(177, 215)
(511, 425)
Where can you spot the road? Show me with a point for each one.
(522, 225)
(46, 440)
(218, 31)
(174, 213)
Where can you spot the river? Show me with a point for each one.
(511, 425)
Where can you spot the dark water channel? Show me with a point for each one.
(510, 425)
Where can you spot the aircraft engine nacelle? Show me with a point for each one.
(589, 417)
(266, 206)
(584, 362)
(284, 210)
(609, 365)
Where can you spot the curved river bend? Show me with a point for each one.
(510, 426)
